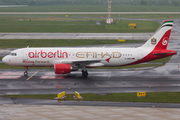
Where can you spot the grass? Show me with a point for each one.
(122, 26)
(152, 97)
(87, 17)
(36, 24)
(92, 8)
(57, 43)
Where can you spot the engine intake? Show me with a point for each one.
(62, 68)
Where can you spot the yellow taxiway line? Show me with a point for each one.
(33, 75)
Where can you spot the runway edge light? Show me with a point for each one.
(141, 94)
(77, 95)
(61, 95)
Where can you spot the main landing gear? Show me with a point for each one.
(26, 73)
(84, 73)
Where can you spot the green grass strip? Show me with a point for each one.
(77, 25)
(153, 97)
(23, 43)
(93, 8)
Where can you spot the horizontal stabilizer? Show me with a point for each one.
(163, 53)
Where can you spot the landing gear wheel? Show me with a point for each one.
(84, 73)
(25, 73)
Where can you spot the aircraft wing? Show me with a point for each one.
(80, 63)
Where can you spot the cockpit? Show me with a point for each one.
(13, 54)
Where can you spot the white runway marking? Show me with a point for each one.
(52, 75)
(11, 75)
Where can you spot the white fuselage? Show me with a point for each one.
(47, 57)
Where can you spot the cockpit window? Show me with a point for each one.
(13, 54)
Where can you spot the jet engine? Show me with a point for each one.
(64, 68)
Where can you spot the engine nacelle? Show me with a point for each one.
(62, 68)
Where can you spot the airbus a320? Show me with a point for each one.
(65, 60)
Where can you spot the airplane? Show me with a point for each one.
(65, 60)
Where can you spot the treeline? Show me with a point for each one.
(91, 2)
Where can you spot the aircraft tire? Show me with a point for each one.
(84, 73)
(25, 73)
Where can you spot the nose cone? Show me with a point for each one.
(5, 60)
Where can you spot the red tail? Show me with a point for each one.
(163, 43)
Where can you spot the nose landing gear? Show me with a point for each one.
(26, 73)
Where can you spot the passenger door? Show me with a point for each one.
(25, 55)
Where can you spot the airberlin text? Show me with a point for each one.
(58, 54)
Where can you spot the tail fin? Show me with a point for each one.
(161, 37)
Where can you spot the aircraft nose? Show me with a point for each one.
(5, 60)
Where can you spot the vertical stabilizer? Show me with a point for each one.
(161, 37)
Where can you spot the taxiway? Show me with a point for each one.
(129, 36)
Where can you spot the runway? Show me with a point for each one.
(99, 81)
(77, 35)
